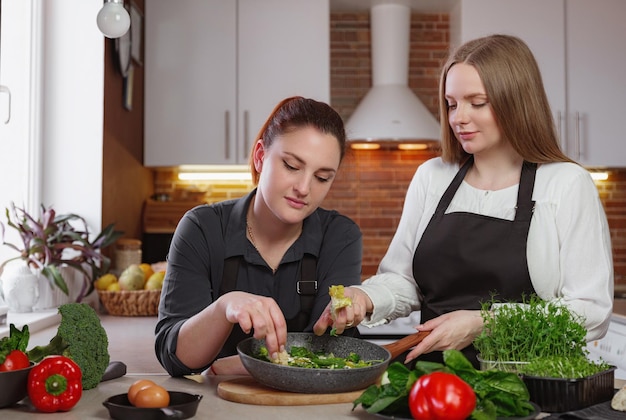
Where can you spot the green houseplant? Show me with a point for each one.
(51, 241)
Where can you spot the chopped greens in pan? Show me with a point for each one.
(305, 358)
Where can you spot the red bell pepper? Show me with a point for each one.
(441, 396)
(15, 360)
(55, 384)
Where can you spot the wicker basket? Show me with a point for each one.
(131, 302)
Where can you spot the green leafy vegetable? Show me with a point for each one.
(498, 394)
(17, 340)
(305, 358)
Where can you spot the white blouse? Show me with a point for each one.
(568, 248)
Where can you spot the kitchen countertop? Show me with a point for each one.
(131, 340)
(211, 406)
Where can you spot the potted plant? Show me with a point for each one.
(51, 242)
(544, 342)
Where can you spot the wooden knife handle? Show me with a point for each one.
(398, 347)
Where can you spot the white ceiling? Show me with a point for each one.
(420, 6)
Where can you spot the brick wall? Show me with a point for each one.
(613, 196)
(371, 185)
(350, 58)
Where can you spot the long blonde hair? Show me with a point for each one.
(516, 94)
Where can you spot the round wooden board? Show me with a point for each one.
(249, 391)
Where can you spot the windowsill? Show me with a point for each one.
(36, 321)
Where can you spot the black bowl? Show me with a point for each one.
(14, 386)
(182, 406)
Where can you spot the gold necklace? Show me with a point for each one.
(251, 235)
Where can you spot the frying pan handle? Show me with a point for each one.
(398, 347)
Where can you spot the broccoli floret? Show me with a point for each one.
(82, 338)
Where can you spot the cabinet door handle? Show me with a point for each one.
(246, 126)
(227, 134)
(577, 135)
(8, 92)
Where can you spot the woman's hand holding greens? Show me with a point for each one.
(347, 317)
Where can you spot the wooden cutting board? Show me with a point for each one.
(249, 391)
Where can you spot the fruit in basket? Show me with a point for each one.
(147, 271)
(104, 281)
(131, 278)
(114, 287)
(155, 281)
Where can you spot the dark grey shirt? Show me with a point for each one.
(208, 234)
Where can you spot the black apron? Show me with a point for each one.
(464, 258)
(306, 288)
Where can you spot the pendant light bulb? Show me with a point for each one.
(113, 19)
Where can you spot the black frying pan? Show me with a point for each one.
(323, 381)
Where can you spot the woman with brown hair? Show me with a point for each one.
(502, 212)
(260, 265)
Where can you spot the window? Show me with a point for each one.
(19, 150)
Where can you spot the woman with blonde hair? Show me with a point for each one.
(502, 212)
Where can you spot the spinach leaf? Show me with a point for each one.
(392, 395)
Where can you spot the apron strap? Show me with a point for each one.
(448, 195)
(229, 276)
(525, 203)
(306, 287)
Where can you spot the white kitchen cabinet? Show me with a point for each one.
(215, 69)
(596, 59)
(576, 43)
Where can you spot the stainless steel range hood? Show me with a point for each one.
(390, 113)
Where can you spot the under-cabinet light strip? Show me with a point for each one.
(599, 176)
(215, 176)
(245, 176)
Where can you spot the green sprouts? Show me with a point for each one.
(547, 334)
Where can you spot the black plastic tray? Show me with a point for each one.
(555, 395)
